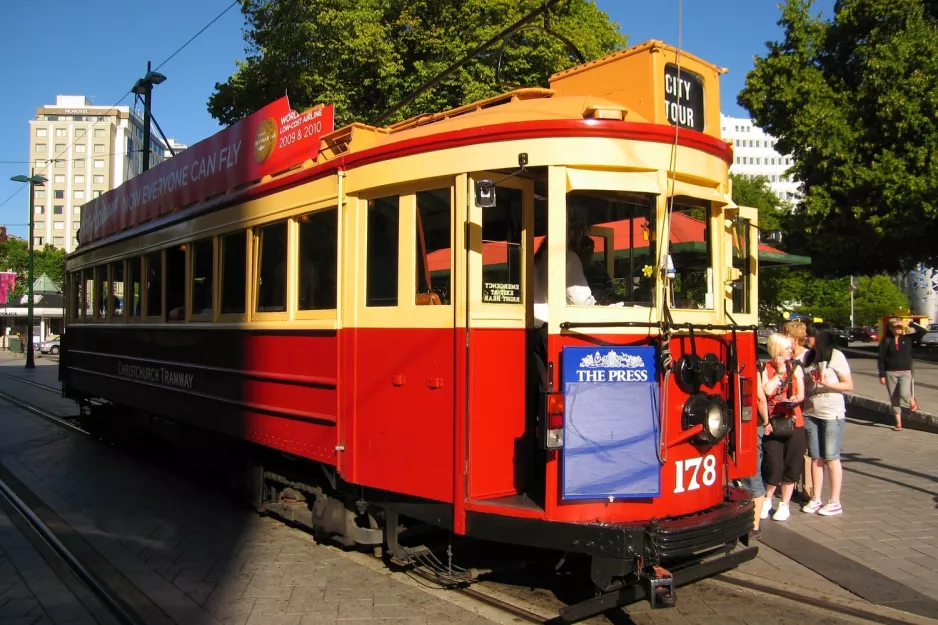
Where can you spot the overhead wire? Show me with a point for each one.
(116, 104)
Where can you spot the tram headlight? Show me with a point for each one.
(710, 411)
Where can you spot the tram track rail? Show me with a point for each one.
(517, 611)
(61, 557)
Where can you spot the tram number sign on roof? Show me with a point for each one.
(683, 98)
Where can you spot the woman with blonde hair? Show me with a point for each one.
(784, 444)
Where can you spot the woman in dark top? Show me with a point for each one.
(895, 365)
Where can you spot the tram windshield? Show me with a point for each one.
(612, 234)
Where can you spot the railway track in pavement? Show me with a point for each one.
(488, 593)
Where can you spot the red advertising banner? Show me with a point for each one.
(7, 284)
(266, 142)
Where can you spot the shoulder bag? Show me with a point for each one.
(783, 424)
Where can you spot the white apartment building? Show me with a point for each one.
(754, 155)
(175, 145)
(84, 150)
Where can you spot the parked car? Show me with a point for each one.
(930, 338)
(864, 334)
(50, 347)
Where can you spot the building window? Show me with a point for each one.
(39, 225)
(98, 179)
(57, 209)
(79, 179)
(61, 132)
(76, 210)
(78, 194)
(176, 283)
(42, 132)
(79, 163)
(233, 273)
(99, 132)
(39, 210)
(433, 229)
(58, 194)
(58, 179)
(99, 163)
(95, 194)
(59, 148)
(40, 147)
(37, 241)
(80, 132)
(203, 270)
(40, 194)
(76, 225)
(271, 271)
(316, 279)
(80, 148)
(58, 225)
(60, 164)
(382, 251)
(99, 148)
(41, 164)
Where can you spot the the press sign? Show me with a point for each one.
(610, 447)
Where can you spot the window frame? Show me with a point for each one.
(110, 307)
(247, 235)
(322, 316)
(190, 280)
(255, 273)
(147, 317)
(128, 284)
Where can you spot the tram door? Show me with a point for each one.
(500, 436)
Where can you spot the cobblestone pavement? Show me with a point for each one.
(30, 591)
(201, 559)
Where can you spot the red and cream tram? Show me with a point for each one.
(365, 304)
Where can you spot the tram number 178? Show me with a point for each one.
(687, 472)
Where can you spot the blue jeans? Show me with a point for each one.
(754, 484)
(824, 437)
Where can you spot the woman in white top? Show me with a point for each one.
(828, 376)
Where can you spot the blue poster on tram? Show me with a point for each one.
(610, 438)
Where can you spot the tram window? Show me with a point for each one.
(501, 248)
(434, 227)
(88, 293)
(203, 267)
(742, 260)
(176, 283)
(116, 296)
(316, 280)
(383, 248)
(136, 286)
(100, 280)
(233, 268)
(155, 284)
(272, 268)
(690, 253)
(76, 286)
(631, 218)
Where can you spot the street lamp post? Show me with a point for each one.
(144, 87)
(33, 181)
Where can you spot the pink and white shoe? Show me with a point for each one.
(831, 508)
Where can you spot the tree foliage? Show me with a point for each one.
(365, 55)
(14, 256)
(855, 101)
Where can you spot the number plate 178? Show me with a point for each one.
(688, 474)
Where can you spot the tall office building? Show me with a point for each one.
(754, 155)
(84, 150)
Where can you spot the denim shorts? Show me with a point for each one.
(824, 437)
(753, 484)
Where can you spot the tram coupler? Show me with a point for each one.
(661, 591)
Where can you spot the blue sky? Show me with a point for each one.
(99, 54)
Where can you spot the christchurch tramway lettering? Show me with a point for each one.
(155, 375)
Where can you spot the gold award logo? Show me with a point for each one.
(265, 140)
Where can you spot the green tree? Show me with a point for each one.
(14, 256)
(365, 55)
(855, 101)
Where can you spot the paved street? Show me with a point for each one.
(191, 556)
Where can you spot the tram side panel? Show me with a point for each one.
(276, 389)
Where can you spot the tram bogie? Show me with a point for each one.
(529, 321)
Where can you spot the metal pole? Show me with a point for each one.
(30, 364)
(852, 323)
(146, 120)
